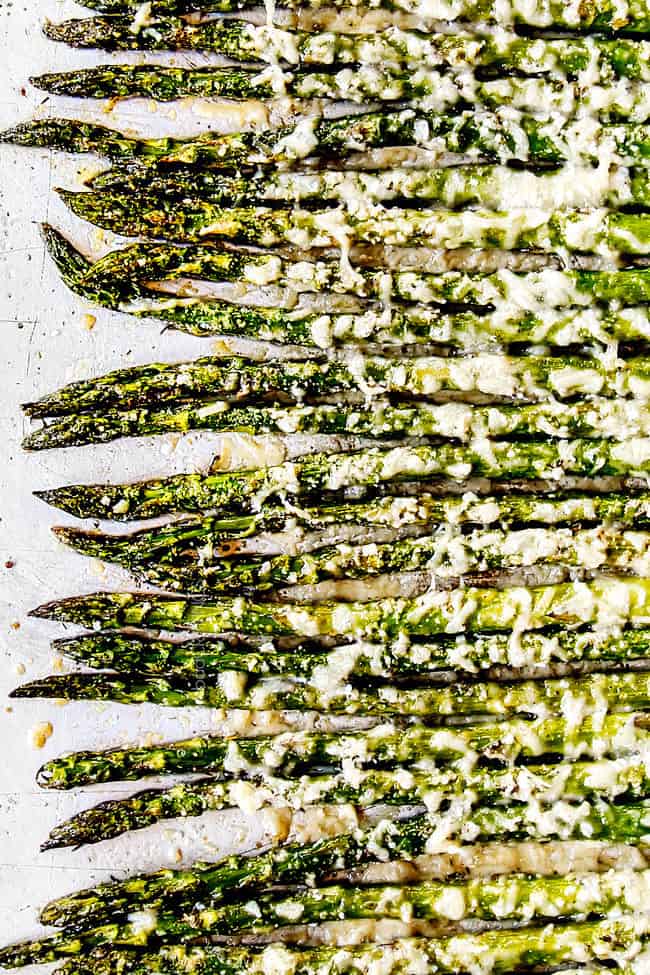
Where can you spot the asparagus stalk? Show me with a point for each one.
(240, 380)
(192, 219)
(386, 745)
(558, 58)
(517, 898)
(479, 135)
(618, 691)
(533, 323)
(375, 469)
(442, 554)
(489, 186)
(294, 863)
(212, 537)
(623, 100)
(494, 187)
(207, 658)
(611, 419)
(601, 602)
(147, 262)
(541, 786)
(545, 13)
(620, 941)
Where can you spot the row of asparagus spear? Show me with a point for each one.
(554, 758)
(601, 15)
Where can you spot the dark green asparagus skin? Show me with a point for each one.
(206, 658)
(624, 778)
(376, 469)
(622, 691)
(481, 134)
(294, 753)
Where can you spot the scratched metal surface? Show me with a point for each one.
(46, 342)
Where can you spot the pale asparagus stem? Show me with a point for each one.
(476, 135)
(601, 602)
(426, 87)
(596, 231)
(538, 787)
(386, 745)
(495, 187)
(207, 657)
(602, 14)
(373, 468)
(615, 419)
(523, 315)
(515, 898)
(620, 940)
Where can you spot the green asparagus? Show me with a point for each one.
(539, 786)
(386, 745)
(601, 602)
(622, 691)
(517, 898)
(295, 863)
(620, 101)
(531, 291)
(620, 941)
(375, 469)
(477, 135)
(602, 14)
(533, 323)
(558, 58)
(206, 658)
(599, 418)
(596, 231)
(443, 554)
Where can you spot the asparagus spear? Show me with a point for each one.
(465, 330)
(212, 537)
(442, 554)
(602, 14)
(620, 941)
(517, 897)
(492, 136)
(611, 419)
(494, 187)
(539, 786)
(386, 745)
(558, 58)
(207, 658)
(622, 691)
(623, 100)
(375, 469)
(148, 262)
(241, 380)
(601, 602)
(192, 219)
(294, 863)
